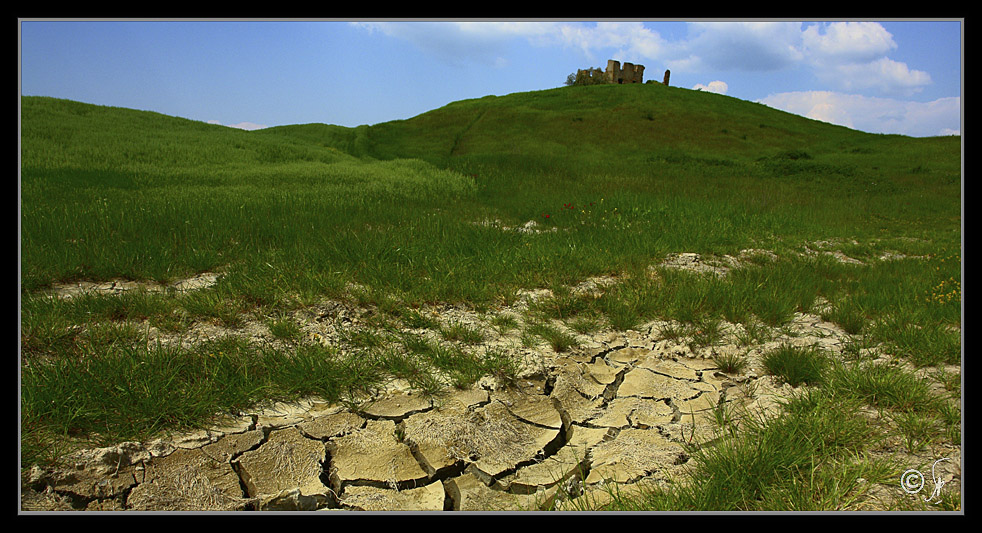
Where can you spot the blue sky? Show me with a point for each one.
(887, 76)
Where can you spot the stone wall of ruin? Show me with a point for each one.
(629, 73)
(614, 73)
(589, 76)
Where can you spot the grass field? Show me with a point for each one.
(407, 215)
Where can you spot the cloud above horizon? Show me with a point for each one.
(460, 42)
(718, 87)
(241, 125)
(849, 61)
(885, 115)
(853, 56)
(744, 46)
(845, 56)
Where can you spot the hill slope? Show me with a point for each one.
(610, 120)
(418, 251)
(603, 124)
(615, 137)
(675, 168)
(58, 133)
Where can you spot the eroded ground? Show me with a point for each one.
(621, 409)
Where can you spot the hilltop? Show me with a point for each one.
(615, 121)
(603, 123)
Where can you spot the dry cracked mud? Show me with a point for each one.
(616, 412)
(621, 410)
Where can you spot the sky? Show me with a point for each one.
(878, 76)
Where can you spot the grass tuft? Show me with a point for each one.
(797, 365)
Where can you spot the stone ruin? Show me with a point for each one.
(589, 76)
(630, 73)
(614, 73)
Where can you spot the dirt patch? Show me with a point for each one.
(718, 265)
(119, 286)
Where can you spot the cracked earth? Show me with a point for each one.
(621, 410)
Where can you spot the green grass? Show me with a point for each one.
(753, 332)
(557, 338)
(584, 325)
(284, 327)
(430, 366)
(391, 219)
(412, 318)
(815, 455)
(882, 385)
(808, 458)
(708, 332)
(796, 365)
(459, 331)
(923, 343)
(729, 362)
(503, 324)
(87, 393)
(562, 304)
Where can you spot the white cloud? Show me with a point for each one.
(718, 87)
(247, 126)
(852, 56)
(419, 31)
(884, 75)
(632, 40)
(241, 125)
(848, 41)
(459, 42)
(497, 30)
(486, 42)
(873, 114)
(750, 46)
(843, 56)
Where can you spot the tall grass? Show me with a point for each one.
(208, 197)
(428, 210)
(809, 458)
(129, 391)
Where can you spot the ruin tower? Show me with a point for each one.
(613, 71)
(629, 73)
(632, 73)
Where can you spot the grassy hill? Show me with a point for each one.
(616, 125)
(648, 138)
(468, 204)
(607, 179)
(633, 121)
(692, 170)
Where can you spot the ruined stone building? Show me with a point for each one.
(615, 73)
(630, 73)
(589, 76)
